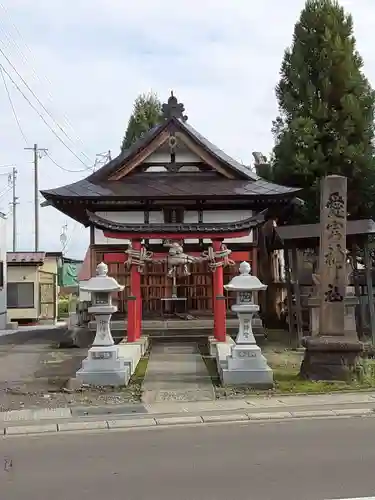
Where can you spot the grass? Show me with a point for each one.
(140, 371)
(286, 365)
(134, 388)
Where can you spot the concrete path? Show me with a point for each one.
(177, 372)
(304, 460)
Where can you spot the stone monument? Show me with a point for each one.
(333, 351)
(246, 365)
(103, 365)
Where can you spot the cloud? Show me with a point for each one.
(88, 60)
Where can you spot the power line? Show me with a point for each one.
(66, 169)
(11, 40)
(37, 98)
(41, 116)
(12, 106)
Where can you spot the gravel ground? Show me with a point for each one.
(36, 374)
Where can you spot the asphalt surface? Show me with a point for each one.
(304, 460)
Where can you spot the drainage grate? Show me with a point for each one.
(132, 409)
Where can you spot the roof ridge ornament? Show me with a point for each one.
(173, 108)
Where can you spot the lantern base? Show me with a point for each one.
(104, 367)
(247, 366)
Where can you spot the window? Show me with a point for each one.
(174, 215)
(20, 295)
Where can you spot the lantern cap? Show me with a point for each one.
(102, 282)
(245, 281)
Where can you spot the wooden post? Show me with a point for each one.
(297, 293)
(136, 281)
(254, 269)
(289, 289)
(219, 299)
(135, 300)
(370, 292)
(357, 288)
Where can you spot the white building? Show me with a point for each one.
(3, 271)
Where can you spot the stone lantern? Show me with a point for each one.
(246, 365)
(103, 365)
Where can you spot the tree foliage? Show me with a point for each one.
(326, 111)
(146, 115)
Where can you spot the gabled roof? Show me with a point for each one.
(107, 170)
(236, 179)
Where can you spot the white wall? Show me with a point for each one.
(157, 217)
(165, 157)
(229, 216)
(131, 217)
(3, 258)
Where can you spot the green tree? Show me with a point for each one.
(146, 115)
(326, 111)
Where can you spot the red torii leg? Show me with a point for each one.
(219, 301)
(135, 299)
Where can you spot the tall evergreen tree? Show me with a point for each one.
(146, 115)
(326, 106)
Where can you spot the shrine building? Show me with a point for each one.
(172, 217)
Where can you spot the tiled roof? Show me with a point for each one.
(166, 185)
(191, 227)
(247, 183)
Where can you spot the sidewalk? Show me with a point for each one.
(23, 422)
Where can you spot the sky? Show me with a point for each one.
(86, 61)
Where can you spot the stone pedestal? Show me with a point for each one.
(350, 303)
(246, 365)
(104, 366)
(329, 358)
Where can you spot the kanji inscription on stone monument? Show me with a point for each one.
(333, 254)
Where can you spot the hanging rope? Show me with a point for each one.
(219, 258)
(138, 257)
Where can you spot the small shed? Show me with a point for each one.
(32, 288)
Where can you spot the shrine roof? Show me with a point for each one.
(178, 228)
(121, 178)
(104, 172)
(165, 185)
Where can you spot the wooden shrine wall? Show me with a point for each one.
(197, 288)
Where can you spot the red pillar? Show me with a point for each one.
(135, 300)
(219, 299)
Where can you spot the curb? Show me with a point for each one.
(164, 422)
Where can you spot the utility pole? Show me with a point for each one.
(13, 179)
(37, 151)
(102, 159)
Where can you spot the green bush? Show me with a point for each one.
(63, 308)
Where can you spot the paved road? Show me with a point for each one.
(305, 460)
